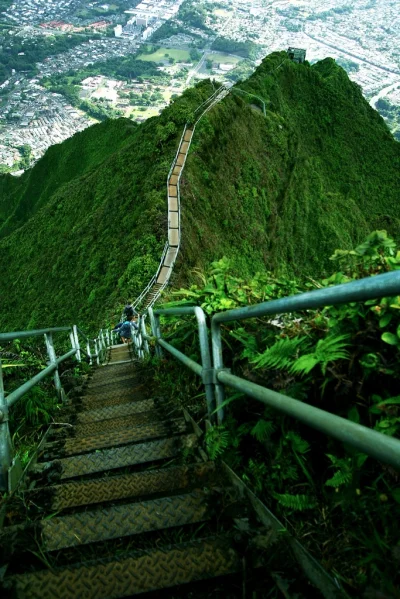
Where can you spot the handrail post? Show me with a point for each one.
(53, 360)
(155, 328)
(205, 360)
(96, 348)
(142, 326)
(108, 337)
(78, 347)
(72, 339)
(103, 346)
(216, 343)
(88, 352)
(6, 447)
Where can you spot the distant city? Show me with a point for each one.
(66, 64)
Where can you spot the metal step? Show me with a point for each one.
(122, 379)
(60, 532)
(131, 575)
(126, 382)
(125, 408)
(106, 424)
(124, 388)
(112, 438)
(137, 484)
(93, 403)
(112, 459)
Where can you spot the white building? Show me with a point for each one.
(142, 20)
(118, 31)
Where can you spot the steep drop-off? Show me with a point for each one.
(280, 191)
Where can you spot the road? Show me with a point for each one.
(386, 90)
(206, 49)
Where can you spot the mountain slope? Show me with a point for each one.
(21, 198)
(318, 172)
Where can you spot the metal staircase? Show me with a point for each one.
(122, 501)
(171, 249)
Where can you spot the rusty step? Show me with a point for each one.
(112, 438)
(131, 574)
(126, 486)
(81, 528)
(112, 459)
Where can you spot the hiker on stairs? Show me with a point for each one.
(125, 330)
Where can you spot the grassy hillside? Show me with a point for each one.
(318, 172)
(21, 198)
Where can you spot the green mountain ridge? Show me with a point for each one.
(83, 230)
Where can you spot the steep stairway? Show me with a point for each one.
(121, 501)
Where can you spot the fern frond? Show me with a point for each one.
(280, 355)
(217, 440)
(343, 475)
(290, 473)
(340, 477)
(327, 350)
(263, 430)
(298, 503)
(298, 444)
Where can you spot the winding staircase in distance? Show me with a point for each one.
(152, 291)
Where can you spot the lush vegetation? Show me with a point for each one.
(194, 15)
(31, 415)
(343, 505)
(104, 204)
(281, 191)
(244, 49)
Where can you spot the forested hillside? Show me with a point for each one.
(87, 224)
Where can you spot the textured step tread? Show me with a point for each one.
(114, 411)
(60, 532)
(122, 389)
(127, 576)
(104, 402)
(127, 382)
(137, 484)
(107, 424)
(122, 379)
(113, 438)
(111, 459)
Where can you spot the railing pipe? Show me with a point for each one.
(88, 353)
(96, 349)
(53, 360)
(18, 393)
(34, 333)
(385, 285)
(155, 329)
(6, 447)
(373, 443)
(204, 348)
(142, 326)
(181, 357)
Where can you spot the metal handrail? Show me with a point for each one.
(215, 97)
(34, 333)
(7, 458)
(370, 442)
(13, 397)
